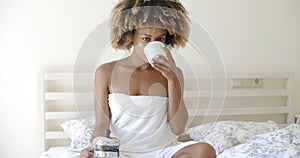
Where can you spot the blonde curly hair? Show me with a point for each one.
(128, 15)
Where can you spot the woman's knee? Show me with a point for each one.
(198, 150)
(202, 150)
(206, 150)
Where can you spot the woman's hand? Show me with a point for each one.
(166, 66)
(87, 153)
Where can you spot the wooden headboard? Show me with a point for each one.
(249, 97)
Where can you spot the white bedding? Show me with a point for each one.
(60, 152)
(223, 135)
(280, 143)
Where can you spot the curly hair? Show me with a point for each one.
(128, 15)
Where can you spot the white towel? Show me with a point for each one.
(140, 122)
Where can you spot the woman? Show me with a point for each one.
(141, 102)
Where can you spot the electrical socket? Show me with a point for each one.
(246, 82)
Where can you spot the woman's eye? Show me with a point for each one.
(161, 39)
(146, 39)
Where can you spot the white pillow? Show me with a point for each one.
(225, 134)
(80, 131)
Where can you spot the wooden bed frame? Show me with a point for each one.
(269, 99)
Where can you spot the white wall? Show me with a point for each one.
(254, 35)
(45, 35)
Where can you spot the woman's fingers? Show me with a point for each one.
(168, 63)
(164, 70)
(160, 59)
(86, 153)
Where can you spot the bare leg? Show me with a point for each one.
(198, 150)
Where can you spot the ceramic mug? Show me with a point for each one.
(153, 49)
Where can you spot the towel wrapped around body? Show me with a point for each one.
(140, 122)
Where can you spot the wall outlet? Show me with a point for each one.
(246, 82)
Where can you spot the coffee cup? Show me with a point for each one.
(153, 49)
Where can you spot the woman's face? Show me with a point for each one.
(142, 36)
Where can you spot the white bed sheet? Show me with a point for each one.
(60, 152)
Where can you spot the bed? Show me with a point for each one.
(257, 119)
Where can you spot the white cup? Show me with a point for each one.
(153, 49)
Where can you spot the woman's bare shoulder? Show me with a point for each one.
(106, 68)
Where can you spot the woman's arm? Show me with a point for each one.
(177, 113)
(102, 111)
